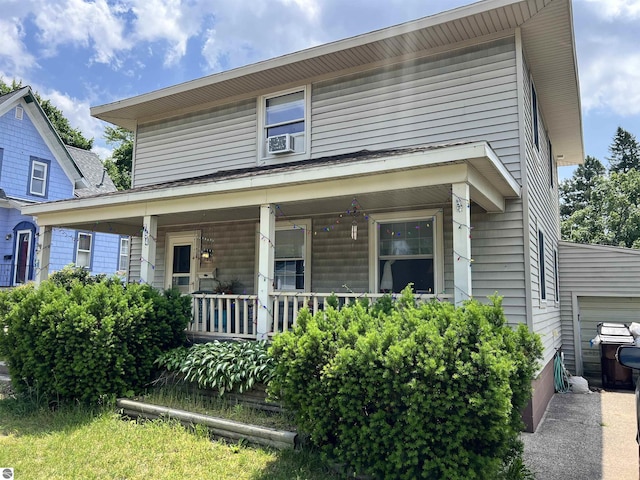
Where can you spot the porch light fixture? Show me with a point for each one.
(206, 253)
(7, 236)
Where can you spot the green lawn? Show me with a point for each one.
(78, 443)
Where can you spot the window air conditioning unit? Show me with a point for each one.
(280, 144)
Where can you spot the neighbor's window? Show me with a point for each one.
(286, 113)
(38, 178)
(83, 252)
(406, 254)
(541, 269)
(290, 256)
(123, 259)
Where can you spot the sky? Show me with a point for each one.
(80, 53)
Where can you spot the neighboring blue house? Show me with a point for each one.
(35, 166)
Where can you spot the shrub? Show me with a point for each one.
(75, 339)
(223, 366)
(409, 391)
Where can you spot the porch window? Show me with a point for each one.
(406, 253)
(83, 252)
(38, 178)
(123, 258)
(290, 256)
(285, 113)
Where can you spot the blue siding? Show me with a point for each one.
(21, 141)
(20, 145)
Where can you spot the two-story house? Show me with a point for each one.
(35, 166)
(423, 153)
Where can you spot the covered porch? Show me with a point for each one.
(255, 246)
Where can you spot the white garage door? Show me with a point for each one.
(594, 310)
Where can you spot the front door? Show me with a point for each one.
(181, 261)
(23, 250)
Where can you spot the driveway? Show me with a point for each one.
(585, 436)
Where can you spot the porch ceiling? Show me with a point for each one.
(390, 180)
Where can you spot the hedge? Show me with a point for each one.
(82, 338)
(399, 390)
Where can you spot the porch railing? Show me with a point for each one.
(236, 316)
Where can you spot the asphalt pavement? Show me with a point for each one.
(585, 437)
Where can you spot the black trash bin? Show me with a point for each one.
(612, 335)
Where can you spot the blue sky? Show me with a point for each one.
(82, 53)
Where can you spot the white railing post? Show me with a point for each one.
(266, 252)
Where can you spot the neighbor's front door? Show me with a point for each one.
(21, 264)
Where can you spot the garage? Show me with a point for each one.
(598, 283)
(593, 310)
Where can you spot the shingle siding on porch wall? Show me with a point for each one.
(593, 270)
(543, 214)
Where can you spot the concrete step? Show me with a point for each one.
(4, 370)
(4, 378)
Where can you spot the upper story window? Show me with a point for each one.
(83, 252)
(534, 117)
(284, 123)
(38, 179)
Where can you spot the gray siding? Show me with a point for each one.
(467, 95)
(543, 215)
(223, 138)
(593, 271)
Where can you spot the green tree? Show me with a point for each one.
(119, 164)
(625, 152)
(612, 216)
(69, 135)
(575, 192)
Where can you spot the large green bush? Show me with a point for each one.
(75, 338)
(409, 391)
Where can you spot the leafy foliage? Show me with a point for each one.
(575, 192)
(120, 163)
(71, 339)
(223, 366)
(424, 391)
(68, 135)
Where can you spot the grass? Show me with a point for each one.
(76, 442)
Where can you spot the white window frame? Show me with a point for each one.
(32, 177)
(83, 251)
(124, 257)
(262, 127)
(304, 225)
(438, 247)
(181, 238)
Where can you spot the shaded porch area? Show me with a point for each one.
(291, 236)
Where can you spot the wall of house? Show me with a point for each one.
(221, 138)
(105, 251)
(467, 95)
(543, 214)
(594, 271)
(20, 140)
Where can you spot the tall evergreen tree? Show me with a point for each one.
(625, 152)
(575, 192)
(69, 135)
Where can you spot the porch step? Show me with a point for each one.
(4, 370)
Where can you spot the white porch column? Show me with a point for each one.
(148, 255)
(266, 252)
(461, 242)
(43, 254)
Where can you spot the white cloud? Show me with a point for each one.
(92, 25)
(626, 10)
(14, 56)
